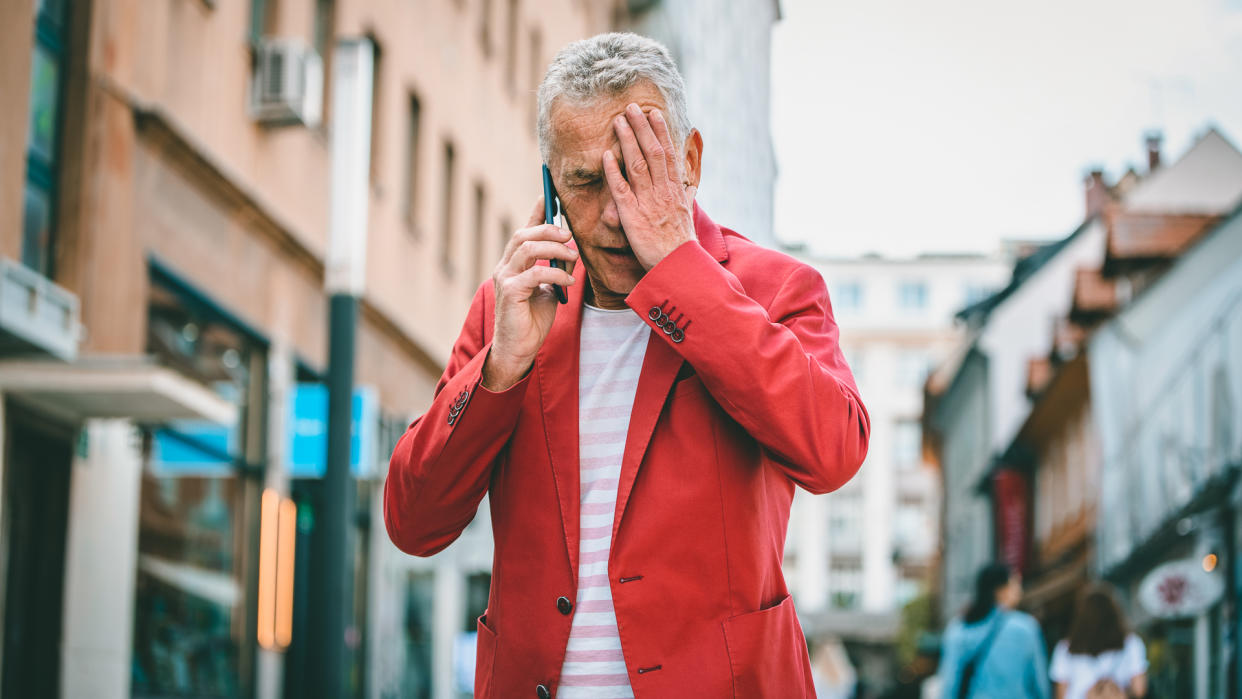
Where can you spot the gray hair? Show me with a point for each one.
(607, 65)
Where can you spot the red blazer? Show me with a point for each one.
(754, 399)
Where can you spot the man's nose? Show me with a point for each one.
(611, 217)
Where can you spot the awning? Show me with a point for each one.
(109, 387)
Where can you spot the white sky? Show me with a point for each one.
(904, 126)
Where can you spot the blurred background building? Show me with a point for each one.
(165, 188)
(1086, 426)
(857, 556)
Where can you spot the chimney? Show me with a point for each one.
(1097, 192)
(1154, 138)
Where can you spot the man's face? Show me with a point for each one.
(581, 134)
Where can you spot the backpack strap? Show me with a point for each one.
(971, 667)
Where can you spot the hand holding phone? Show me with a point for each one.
(525, 301)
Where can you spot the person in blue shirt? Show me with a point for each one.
(994, 651)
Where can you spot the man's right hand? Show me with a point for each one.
(525, 301)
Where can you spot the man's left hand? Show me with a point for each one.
(655, 206)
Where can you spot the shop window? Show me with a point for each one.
(192, 635)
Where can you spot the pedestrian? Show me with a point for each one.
(995, 651)
(640, 442)
(1101, 659)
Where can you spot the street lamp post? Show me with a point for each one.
(352, 66)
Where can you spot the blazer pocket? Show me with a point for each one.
(767, 653)
(485, 660)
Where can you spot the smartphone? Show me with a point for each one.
(552, 207)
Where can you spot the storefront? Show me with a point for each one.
(195, 608)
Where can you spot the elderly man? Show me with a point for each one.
(641, 443)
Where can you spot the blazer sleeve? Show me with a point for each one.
(778, 370)
(442, 466)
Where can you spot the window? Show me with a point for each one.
(377, 102)
(485, 27)
(845, 520)
(42, 157)
(478, 586)
(854, 358)
(974, 293)
(197, 504)
(912, 295)
(911, 536)
(912, 368)
(480, 252)
(446, 211)
(511, 39)
(262, 19)
(848, 297)
(506, 232)
(845, 584)
(536, 74)
(908, 449)
(411, 163)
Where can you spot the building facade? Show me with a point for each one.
(165, 201)
(856, 556)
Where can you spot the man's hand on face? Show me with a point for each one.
(655, 206)
(525, 301)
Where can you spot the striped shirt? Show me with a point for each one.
(611, 358)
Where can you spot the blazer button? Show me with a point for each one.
(542, 692)
(563, 604)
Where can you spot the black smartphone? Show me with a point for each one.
(551, 207)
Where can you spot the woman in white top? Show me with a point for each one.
(1101, 658)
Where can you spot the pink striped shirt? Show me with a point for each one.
(612, 347)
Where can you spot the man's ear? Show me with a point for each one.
(693, 160)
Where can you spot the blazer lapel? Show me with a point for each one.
(660, 366)
(557, 366)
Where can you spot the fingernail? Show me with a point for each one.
(571, 279)
(656, 113)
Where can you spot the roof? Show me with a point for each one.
(1023, 270)
(1135, 236)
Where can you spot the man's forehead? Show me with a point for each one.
(588, 126)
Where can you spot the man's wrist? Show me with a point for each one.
(500, 375)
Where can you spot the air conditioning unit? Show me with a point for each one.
(288, 83)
